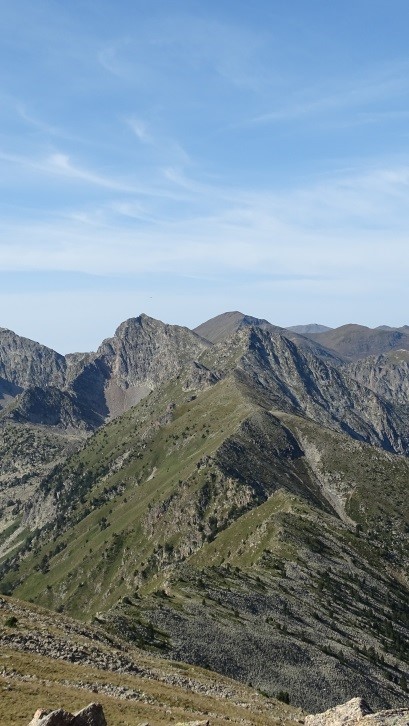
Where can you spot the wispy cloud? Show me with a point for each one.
(177, 41)
(59, 164)
(337, 229)
(108, 57)
(202, 153)
(139, 128)
(359, 92)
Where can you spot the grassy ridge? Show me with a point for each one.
(259, 543)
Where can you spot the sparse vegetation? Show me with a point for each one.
(224, 523)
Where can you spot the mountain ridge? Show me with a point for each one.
(248, 513)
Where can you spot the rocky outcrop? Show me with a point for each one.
(25, 363)
(198, 377)
(147, 350)
(386, 375)
(357, 711)
(92, 715)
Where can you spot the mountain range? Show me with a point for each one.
(233, 497)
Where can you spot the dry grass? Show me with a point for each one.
(162, 695)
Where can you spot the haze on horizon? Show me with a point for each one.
(206, 157)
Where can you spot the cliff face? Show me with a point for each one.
(144, 350)
(142, 354)
(24, 363)
(387, 375)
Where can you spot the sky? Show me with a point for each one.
(184, 158)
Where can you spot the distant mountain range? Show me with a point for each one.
(310, 328)
(234, 497)
(83, 390)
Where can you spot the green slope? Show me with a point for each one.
(256, 542)
(113, 491)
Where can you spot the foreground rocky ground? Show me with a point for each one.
(355, 712)
(55, 662)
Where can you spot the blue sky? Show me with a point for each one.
(185, 158)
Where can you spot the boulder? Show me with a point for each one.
(92, 715)
(357, 711)
(52, 718)
(347, 713)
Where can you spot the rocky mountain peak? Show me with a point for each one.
(226, 324)
(146, 350)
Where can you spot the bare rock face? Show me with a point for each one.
(357, 711)
(347, 713)
(141, 355)
(92, 715)
(387, 375)
(25, 363)
(147, 350)
(297, 381)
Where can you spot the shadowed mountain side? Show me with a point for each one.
(52, 407)
(8, 391)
